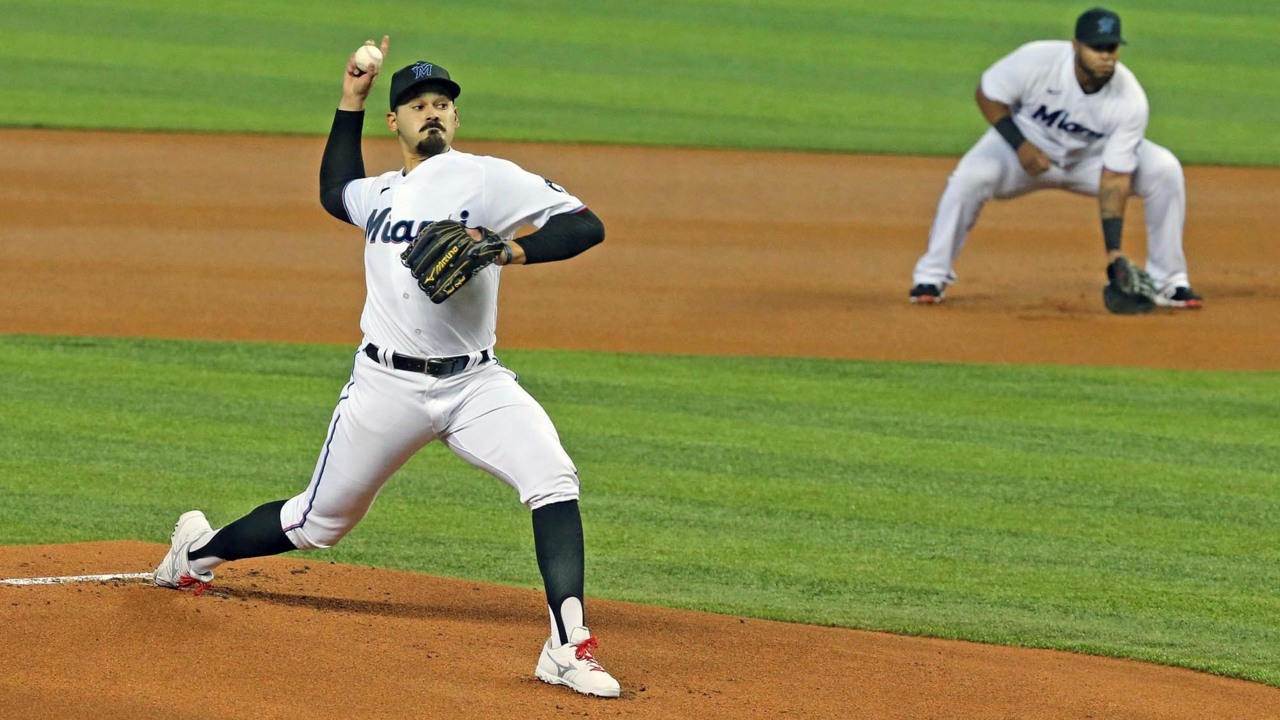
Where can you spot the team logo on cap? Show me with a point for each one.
(1106, 25)
(422, 70)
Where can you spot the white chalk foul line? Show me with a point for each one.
(73, 578)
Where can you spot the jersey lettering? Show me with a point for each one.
(377, 228)
(1058, 118)
(400, 232)
(376, 220)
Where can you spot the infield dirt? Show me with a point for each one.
(708, 252)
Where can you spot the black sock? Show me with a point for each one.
(557, 538)
(255, 535)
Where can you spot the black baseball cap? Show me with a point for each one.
(1099, 26)
(417, 77)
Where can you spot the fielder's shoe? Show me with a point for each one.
(572, 664)
(1180, 297)
(927, 294)
(175, 570)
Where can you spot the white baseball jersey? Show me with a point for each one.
(393, 207)
(1038, 83)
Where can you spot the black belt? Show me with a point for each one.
(436, 367)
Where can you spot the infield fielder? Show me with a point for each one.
(1067, 115)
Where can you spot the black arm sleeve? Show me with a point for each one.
(562, 237)
(342, 161)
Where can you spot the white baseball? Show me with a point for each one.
(368, 58)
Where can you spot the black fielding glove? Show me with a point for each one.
(1129, 291)
(444, 257)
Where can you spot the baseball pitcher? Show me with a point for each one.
(1069, 115)
(437, 235)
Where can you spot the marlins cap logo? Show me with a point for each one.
(422, 70)
(1106, 25)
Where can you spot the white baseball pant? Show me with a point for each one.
(991, 170)
(384, 416)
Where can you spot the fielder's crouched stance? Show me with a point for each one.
(425, 370)
(1069, 115)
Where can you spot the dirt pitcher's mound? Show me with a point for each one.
(299, 637)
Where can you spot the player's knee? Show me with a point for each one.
(974, 180)
(314, 536)
(1158, 168)
(562, 489)
(1164, 164)
(543, 500)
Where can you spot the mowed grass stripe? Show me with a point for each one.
(813, 75)
(1114, 511)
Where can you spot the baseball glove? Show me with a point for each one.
(1129, 291)
(444, 257)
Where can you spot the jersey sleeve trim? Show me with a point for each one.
(351, 212)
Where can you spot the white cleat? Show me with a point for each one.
(175, 570)
(573, 665)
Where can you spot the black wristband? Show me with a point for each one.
(1112, 229)
(1010, 132)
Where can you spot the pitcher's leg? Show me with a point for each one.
(261, 532)
(375, 427)
(500, 428)
(257, 534)
(378, 425)
(196, 549)
(1160, 183)
(557, 539)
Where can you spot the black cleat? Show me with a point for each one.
(927, 294)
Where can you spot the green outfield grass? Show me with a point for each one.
(1112, 511)
(846, 75)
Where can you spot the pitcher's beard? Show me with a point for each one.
(431, 145)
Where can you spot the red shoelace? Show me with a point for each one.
(187, 581)
(583, 652)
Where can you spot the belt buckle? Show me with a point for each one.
(438, 366)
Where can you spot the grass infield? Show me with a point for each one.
(1110, 511)
(843, 75)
